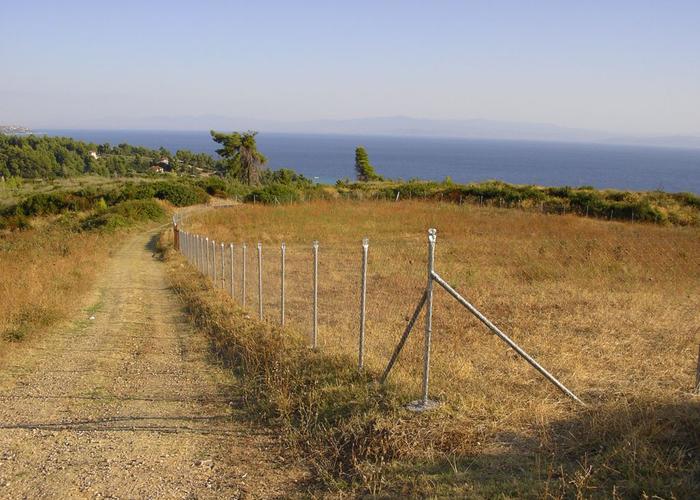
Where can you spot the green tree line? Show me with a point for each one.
(46, 157)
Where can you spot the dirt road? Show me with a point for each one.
(127, 403)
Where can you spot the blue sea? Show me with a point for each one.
(327, 158)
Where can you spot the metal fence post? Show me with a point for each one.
(243, 248)
(260, 288)
(232, 270)
(199, 254)
(223, 267)
(363, 295)
(283, 250)
(432, 236)
(314, 330)
(213, 263)
(206, 243)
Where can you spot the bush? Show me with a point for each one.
(285, 176)
(214, 186)
(274, 193)
(14, 223)
(139, 210)
(179, 194)
(125, 214)
(52, 203)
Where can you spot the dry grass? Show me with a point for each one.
(46, 271)
(609, 308)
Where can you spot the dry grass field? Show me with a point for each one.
(45, 271)
(609, 308)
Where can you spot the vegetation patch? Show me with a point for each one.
(649, 206)
(124, 215)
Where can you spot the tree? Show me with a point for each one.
(243, 160)
(365, 171)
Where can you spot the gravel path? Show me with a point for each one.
(127, 403)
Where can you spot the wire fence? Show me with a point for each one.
(325, 288)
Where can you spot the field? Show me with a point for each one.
(53, 261)
(609, 308)
(41, 268)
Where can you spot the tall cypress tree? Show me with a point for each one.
(365, 171)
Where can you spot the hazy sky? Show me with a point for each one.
(624, 66)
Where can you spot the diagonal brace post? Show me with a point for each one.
(504, 337)
(404, 337)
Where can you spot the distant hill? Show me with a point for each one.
(398, 126)
(669, 141)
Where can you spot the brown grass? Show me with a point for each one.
(609, 308)
(46, 271)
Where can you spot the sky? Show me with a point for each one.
(620, 66)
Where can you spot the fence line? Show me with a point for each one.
(192, 247)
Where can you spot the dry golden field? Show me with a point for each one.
(609, 308)
(45, 273)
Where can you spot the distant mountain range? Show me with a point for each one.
(398, 126)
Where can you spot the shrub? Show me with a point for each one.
(179, 194)
(559, 192)
(125, 214)
(689, 199)
(274, 193)
(14, 222)
(285, 176)
(214, 186)
(51, 204)
(139, 210)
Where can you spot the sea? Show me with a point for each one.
(327, 158)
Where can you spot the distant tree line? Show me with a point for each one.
(45, 157)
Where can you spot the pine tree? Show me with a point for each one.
(244, 161)
(365, 171)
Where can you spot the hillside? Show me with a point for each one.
(33, 156)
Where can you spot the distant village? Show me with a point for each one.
(14, 129)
